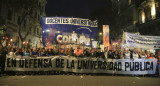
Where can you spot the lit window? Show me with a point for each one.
(129, 2)
(153, 11)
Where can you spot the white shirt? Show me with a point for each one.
(127, 55)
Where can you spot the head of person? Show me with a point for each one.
(99, 49)
(116, 52)
(78, 47)
(151, 55)
(49, 50)
(121, 52)
(135, 51)
(61, 50)
(84, 52)
(142, 53)
(34, 49)
(44, 50)
(92, 51)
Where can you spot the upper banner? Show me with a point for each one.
(68, 30)
(81, 65)
(140, 41)
(106, 35)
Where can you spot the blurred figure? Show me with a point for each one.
(151, 56)
(100, 54)
(26, 53)
(127, 54)
(143, 55)
(116, 55)
(78, 51)
(3, 52)
(93, 53)
(106, 52)
(34, 53)
(122, 56)
(158, 63)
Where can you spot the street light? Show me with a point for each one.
(24, 42)
(100, 33)
(11, 40)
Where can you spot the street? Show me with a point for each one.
(73, 80)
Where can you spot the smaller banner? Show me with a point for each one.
(141, 41)
(106, 35)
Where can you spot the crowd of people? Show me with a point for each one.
(79, 52)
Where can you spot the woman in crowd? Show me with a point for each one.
(116, 55)
(93, 53)
(43, 53)
(26, 53)
(34, 53)
(151, 56)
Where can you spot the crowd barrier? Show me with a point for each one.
(81, 65)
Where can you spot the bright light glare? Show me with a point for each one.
(100, 33)
(47, 30)
(153, 11)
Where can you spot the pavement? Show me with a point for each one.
(78, 80)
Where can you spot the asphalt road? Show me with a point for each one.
(73, 80)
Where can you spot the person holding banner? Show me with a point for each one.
(78, 51)
(135, 54)
(158, 63)
(116, 55)
(3, 53)
(100, 54)
(106, 52)
(34, 53)
(127, 54)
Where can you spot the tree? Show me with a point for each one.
(25, 8)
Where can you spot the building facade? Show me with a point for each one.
(22, 19)
(141, 16)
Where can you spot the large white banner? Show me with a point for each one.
(82, 65)
(141, 41)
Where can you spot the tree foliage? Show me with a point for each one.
(25, 9)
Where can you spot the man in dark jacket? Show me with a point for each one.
(3, 53)
(100, 54)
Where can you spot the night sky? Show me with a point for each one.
(75, 8)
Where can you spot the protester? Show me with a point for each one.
(78, 51)
(93, 53)
(116, 55)
(3, 53)
(151, 56)
(143, 55)
(100, 54)
(122, 56)
(158, 63)
(43, 53)
(106, 52)
(26, 53)
(34, 53)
